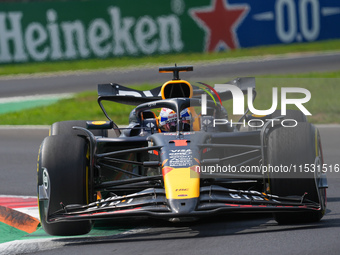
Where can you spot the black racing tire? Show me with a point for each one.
(66, 128)
(291, 114)
(64, 159)
(296, 115)
(295, 146)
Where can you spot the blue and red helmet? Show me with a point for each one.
(168, 120)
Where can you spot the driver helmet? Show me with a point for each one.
(168, 120)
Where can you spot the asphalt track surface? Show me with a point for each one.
(230, 234)
(80, 81)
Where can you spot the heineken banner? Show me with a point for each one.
(67, 30)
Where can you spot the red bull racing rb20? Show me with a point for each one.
(184, 165)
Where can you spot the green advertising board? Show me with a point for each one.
(66, 30)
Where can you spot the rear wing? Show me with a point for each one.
(120, 94)
(124, 95)
(128, 96)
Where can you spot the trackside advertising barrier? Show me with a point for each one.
(67, 30)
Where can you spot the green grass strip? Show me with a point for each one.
(324, 105)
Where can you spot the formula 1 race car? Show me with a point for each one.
(94, 170)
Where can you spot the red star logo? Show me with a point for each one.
(220, 22)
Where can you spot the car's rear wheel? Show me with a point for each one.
(63, 170)
(298, 149)
(294, 116)
(291, 114)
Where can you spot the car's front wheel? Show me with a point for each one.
(298, 150)
(63, 170)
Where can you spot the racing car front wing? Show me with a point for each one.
(152, 202)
